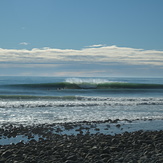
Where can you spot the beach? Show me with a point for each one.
(81, 120)
(81, 81)
(49, 143)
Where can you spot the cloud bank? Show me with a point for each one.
(94, 58)
(107, 54)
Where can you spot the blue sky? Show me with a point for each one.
(81, 37)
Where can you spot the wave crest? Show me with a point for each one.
(90, 81)
(78, 83)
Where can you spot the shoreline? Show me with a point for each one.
(82, 142)
(136, 147)
(15, 133)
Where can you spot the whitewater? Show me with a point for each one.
(47, 100)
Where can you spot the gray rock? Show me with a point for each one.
(72, 158)
(6, 154)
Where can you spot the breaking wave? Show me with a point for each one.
(77, 83)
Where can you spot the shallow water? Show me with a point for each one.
(36, 100)
(92, 128)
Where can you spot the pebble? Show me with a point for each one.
(138, 147)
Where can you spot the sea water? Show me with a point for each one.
(40, 100)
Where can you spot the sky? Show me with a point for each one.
(82, 38)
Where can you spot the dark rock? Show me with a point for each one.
(115, 121)
(133, 147)
(97, 129)
(105, 156)
(7, 153)
(70, 161)
(72, 158)
(99, 161)
(106, 150)
(118, 125)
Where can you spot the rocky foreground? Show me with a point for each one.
(136, 147)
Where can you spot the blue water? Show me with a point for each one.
(20, 88)
(33, 100)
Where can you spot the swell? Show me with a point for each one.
(110, 85)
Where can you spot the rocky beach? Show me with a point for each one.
(51, 143)
(116, 120)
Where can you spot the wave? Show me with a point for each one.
(89, 81)
(21, 101)
(97, 84)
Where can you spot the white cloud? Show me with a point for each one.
(105, 54)
(10, 65)
(95, 46)
(24, 43)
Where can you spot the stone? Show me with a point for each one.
(105, 156)
(72, 158)
(140, 146)
(118, 125)
(6, 154)
(70, 161)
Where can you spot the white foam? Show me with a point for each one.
(91, 81)
(89, 109)
(81, 101)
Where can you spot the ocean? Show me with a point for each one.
(46, 100)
